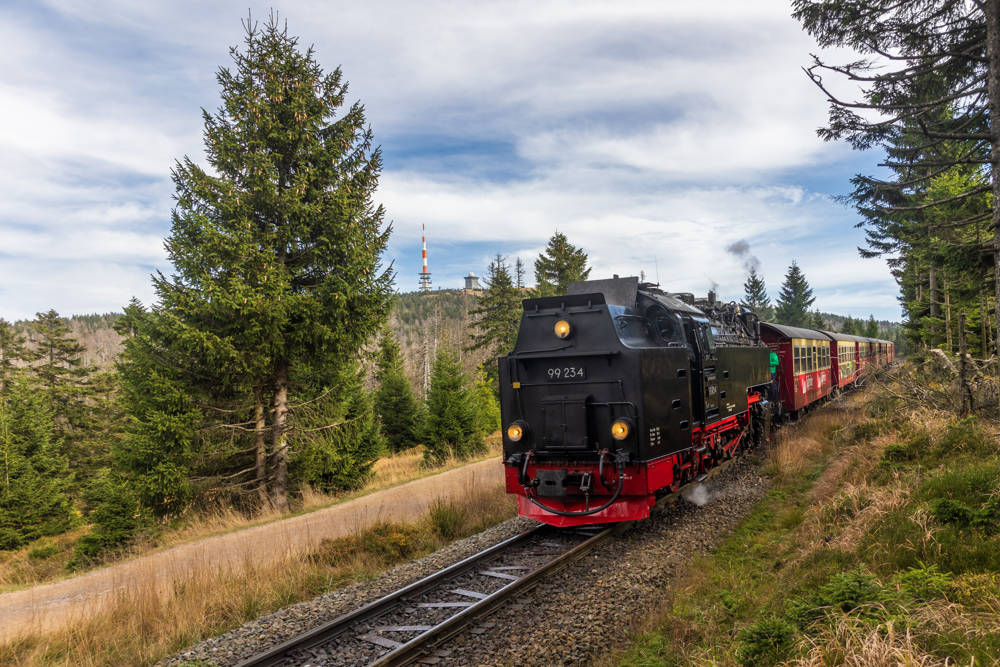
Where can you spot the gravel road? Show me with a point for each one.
(570, 618)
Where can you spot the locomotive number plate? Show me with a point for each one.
(556, 373)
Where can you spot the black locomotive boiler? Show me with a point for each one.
(619, 392)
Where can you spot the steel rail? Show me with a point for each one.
(419, 645)
(328, 631)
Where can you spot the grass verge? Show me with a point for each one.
(143, 627)
(878, 543)
(47, 559)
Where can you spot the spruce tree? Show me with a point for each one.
(80, 415)
(58, 352)
(484, 397)
(156, 457)
(560, 264)
(277, 253)
(395, 403)
(871, 327)
(498, 314)
(794, 299)
(339, 436)
(12, 353)
(816, 320)
(929, 76)
(33, 478)
(453, 422)
(755, 296)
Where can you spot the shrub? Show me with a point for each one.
(972, 483)
(845, 592)
(924, 583)
(952, 512)
(964, 435)
(867, 430)
(117, 516)
(447, 519)
(44, 551)
(765, 642)
(392, 542)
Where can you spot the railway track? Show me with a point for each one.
(408, 625)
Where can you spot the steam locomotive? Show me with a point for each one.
(618, 393)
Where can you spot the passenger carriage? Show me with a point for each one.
(843, 358)
(804, 374)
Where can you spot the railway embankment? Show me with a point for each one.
(877, 543)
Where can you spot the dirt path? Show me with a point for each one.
(50, 606)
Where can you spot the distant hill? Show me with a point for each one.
(101, 343)
(420, 322)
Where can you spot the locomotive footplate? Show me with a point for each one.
(556, 483)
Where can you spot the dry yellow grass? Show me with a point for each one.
(18, 569)
(803, 444)
(853, 643)
(143, 626)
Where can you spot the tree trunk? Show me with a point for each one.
(279, 441)
(963, 372)
(933, 295)
(993, 88)
(260, 440)
(984, 340)
(947, 319)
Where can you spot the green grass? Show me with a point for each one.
(901, 561)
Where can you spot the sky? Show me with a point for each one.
(672, 138)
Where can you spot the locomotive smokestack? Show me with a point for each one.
(711, 297)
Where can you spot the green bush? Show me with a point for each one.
(117, 515)
(845, 592)
(965, 436)
(971, 483)
(952, 512)
(44, 551)
(925, 582)
(765, 642)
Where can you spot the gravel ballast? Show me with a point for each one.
(570, 618)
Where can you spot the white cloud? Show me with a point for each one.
(646, 130)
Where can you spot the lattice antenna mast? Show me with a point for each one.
(425, 275)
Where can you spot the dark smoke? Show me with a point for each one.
(741, 249)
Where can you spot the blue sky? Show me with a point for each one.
(653, 134)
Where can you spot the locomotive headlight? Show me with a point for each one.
(620, 429)
(562, 329)
(516, 431)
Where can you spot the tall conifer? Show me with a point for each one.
(33, 476)
(454, 425)
(794, 299)
(755, 296)
(394, 400)
(560, 264)
(278, 280)
(498, 313)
